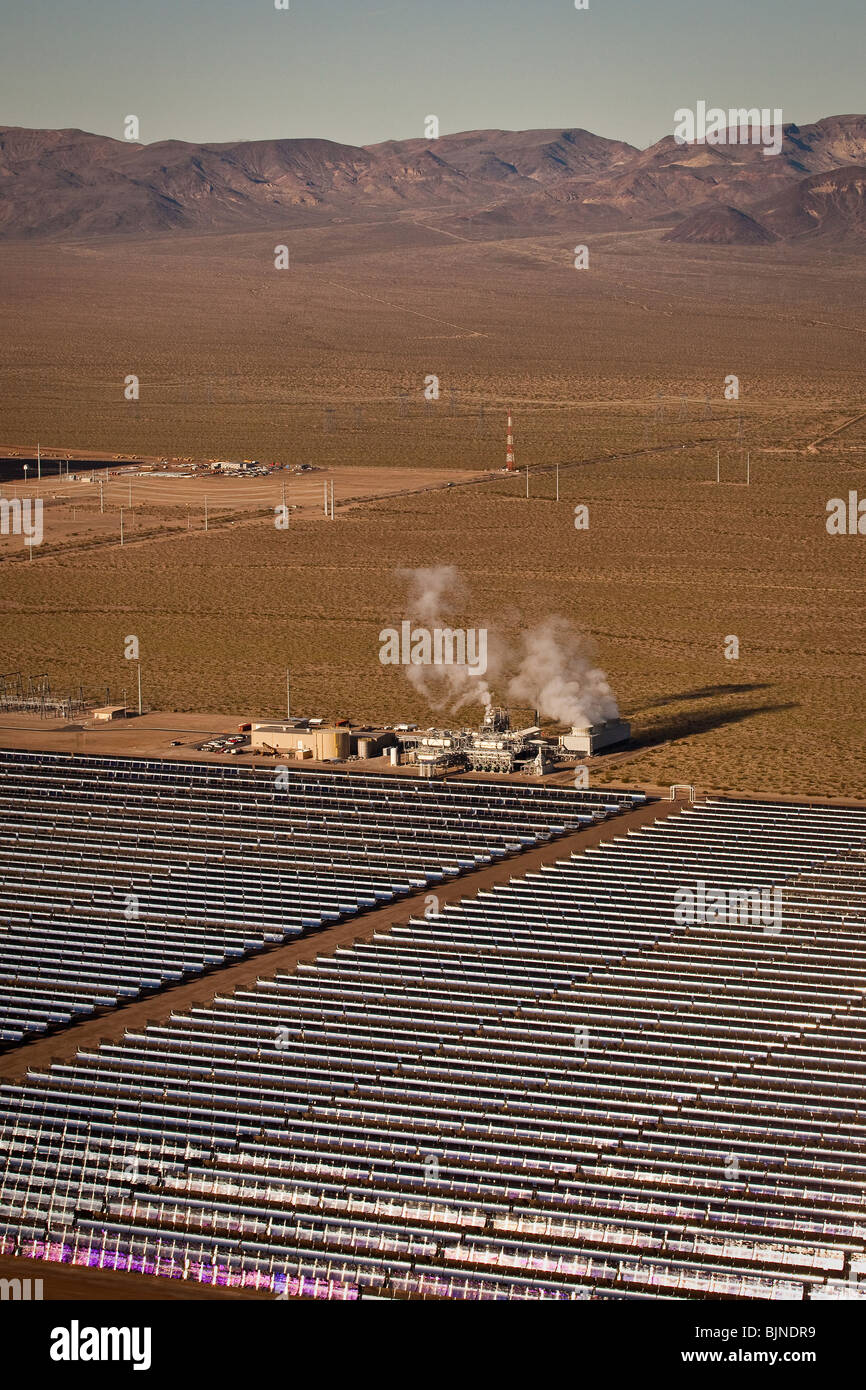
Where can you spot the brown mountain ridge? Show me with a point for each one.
(71, 184)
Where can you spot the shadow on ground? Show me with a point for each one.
(706, 692)
(689, 722)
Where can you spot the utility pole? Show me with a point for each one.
(718, 467)
(38, 462)
(101, 502)
(325, 485)
(288, 695)
(121, 526)
(527, 480)
(748, 468)
(139, 688)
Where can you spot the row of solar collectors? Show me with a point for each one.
(580, 942)
(283, 811)
(270, 798)
(680, 1041)
(474, 801)
(49, 867)
(250, 898)
(399, 1039)
(450, 849)
(235, 899)
(145, 1204)
(70, 941)
(205, 1214)
(677, 980)
(143, 1122)
(209, 844)
(187, 834)
(186, 814)
(84, 1168)
(584, 940)
(835, 891)
(410, 788)
(51, 972)
(240, 892)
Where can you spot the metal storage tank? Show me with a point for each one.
(330, 743)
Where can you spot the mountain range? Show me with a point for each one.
(66, 184)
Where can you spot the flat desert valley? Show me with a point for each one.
(615, 373)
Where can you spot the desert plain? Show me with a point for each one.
(616, 377)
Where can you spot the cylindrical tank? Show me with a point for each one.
(394, 751)
(330, 743)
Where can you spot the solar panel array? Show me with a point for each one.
(551, 1090)
(120, 876)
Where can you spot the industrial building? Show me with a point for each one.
(496, 747)
(595, 737)
(295, 738)
(372, 743)
(107, 712)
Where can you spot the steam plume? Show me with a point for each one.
(558, 677)
(434, 592)
(550, 668)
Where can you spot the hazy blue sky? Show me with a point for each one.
(362, 72)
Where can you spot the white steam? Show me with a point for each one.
(550, 668)
(433, 589)
(558, 677)
(433, 592)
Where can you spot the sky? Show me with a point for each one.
(220, 70)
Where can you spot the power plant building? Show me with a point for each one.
(496, 747)
(299, 741)
(105, 713)
(594, 737)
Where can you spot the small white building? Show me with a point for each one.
(106, 712)
(594, 737)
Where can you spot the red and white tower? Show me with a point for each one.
(509, 444)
